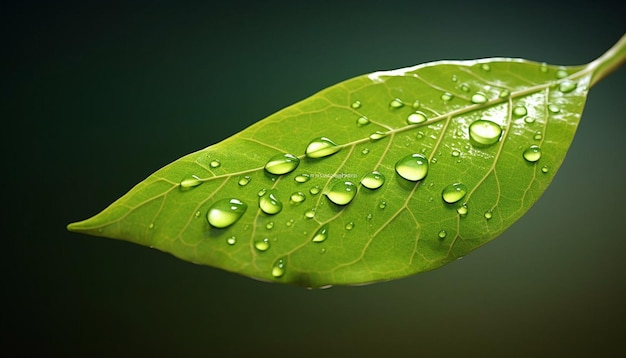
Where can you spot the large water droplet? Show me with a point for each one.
(363, 120)
(302, 178)
(269, 203)
(244, 180)
(479, 98)
(225, 212)
(396, 103)
(282, 164)
(262, 245)
(342, 192)
(485, 132)
(278, 269)
(189, 183)
(532, 153)
(321, 147)
(519, 111)
(321, 234)
(567, 86)
(416, 118)
(297, 197)
(453, 193)
(413, 167)
(373, 180)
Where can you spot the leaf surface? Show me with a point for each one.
(462, 148)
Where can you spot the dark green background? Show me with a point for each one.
(98, 95)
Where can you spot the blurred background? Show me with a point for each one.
(97, 95)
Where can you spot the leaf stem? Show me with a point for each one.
(610, 61)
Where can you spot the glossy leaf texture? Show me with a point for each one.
(379, 177)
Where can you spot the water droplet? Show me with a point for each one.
(310, 214)
(269, 225)
(532, 153)
(315, 190)
(382, 204)
(416, 118)
(269, 203)
(197, 214)
(462, 210)
(529, 120)
(456, 153)
(373, 180)
(151, 226)
(396, 103)
(479, 98)
(413, 167)
(231, 240)
(215, 163)
(302, 178)
(278, 269)
(282, 164)
(365, 151)
(225, 212)
(321, 234)
(262, 245)
(519, 111)
(504, 93)
(465, 87)
(543, 67)
(488, 215)
(561, 73)
(363, 120)
(447, 96)
(453, 193)
(244, 180)
(538, 135)
(442, 234)
(377, 135)
(342, 192)
(544, 169)
(485, 132)
(369, 217)
(349, 226)
(454, 78)
(297, 197)
(417, 104)
(321, 147)
(553, 108)
(189, 183)
(356, 104)
(261, 192)
(323, 250)
(485, 67)
(567, 86)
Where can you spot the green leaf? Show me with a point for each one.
(379, 177)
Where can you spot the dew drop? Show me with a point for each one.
(269, 225)
(297, 197)
(416, 118)
(365, 151)
(356, 104)
(262, 245)
(456, 153)
(151, 226)
(396, 103)
(349, 226)
(321, 147)
(453, 193)
(538, 135)
(382, 204)
(488, 215)
(532, 153)
(282, 164)
(309, 214)
(447, 96)
(244, 180)
(373, 180)
(553, 108)
(543, 67)
(302, 178)
(197, 214)
(231, 240)
(519, 111)
(225, 212)
(342, 192)
(363, 120)
(462, 210)
(189, 183)
(278, 269)
(567, 86)
(315, 190)
(465, 87)
(485, 67)
(479, 98)
(269, 203)
(442, 234)
(529, 120)
(544, 169)
(485, 132)
(261, 192)
(413, 167)
(504, 93)
(417, 104)
(377, 135)
(561, 74)
(215, 163)
(369, 217)
(321, 234)
(454, 78)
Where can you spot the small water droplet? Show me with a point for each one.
(197, 214)
(215, 163)
(342, 192)
(297, 197)
(417, 104)
(434, 160)
(465, 87)
(369, 217)
(561, 73)
(532, 153)
(356, 104)
(396, 103)
(538, 135)
(282, 164)
(189, 183)
(315, 190)
(262, 245)
(349, 226)
(261, 192)
(485, 67)
(244, 180)
(545, 169)
(456, 153)
(365, 151)
(442, 234)
(310, 214)
(447, 96)
(519, 111)
(479, 98)
(553, 108)
(231, 240)
(377, 135)
(269, 225)
(504, 93)
(323, 250)
(413, 167)
(485, 132)
(373, 180)
(225, 212)
(363, 120)
(151, 226)
(278, 269)
(462, 210)
(453, 193)
(302, 178)
(321, 147)
(529, 120)
(567, 86)
(269, 203)
(382, 204)
(416, 118)
(488, 215)
(321, 234)
(454, 78)
(543, 67)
